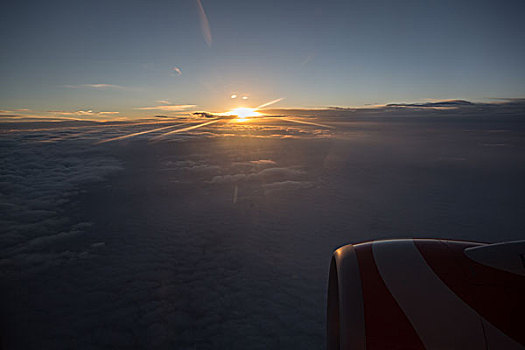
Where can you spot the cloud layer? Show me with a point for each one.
(448, 108)
(220, 237)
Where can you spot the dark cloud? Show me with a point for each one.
(36, 182)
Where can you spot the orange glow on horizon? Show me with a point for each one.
(243, 113)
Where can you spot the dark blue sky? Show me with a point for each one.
(119, 56)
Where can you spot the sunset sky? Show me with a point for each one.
(141, 58)
(176, 174)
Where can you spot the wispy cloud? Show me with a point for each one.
(89, 113)
(26, 117)
(168, 108)
(306, 60)
(205, 26)
(95, 86)
(13, 111)
(25, 114)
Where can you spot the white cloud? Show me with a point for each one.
(95, 86)
(168, 108)
(84, 113)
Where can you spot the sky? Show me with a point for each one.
(140, 58)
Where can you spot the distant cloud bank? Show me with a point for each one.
(460, 108)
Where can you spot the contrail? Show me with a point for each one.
(269, 103)
(78, 134)
(135, 134)
(305, 122)
(86, 127)
(184, 129)
(205, 26)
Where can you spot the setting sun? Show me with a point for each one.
(243, 113)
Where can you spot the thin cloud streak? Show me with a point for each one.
(79, 134)
(13, 111)
(305, 122)
(269, 103)
(118, 138)
(205, 26)
(172, 108)
(36, 117)
(89, 113)
(95, 86)
(156, 138)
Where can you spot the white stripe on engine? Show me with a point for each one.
(441, 319)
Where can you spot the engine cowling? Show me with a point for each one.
(427, 294)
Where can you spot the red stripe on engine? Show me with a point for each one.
(496, 295)
(386, 326)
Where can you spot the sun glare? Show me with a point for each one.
(243, 113)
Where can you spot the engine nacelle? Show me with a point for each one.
(427, 294)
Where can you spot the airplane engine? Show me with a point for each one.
(427, 294)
